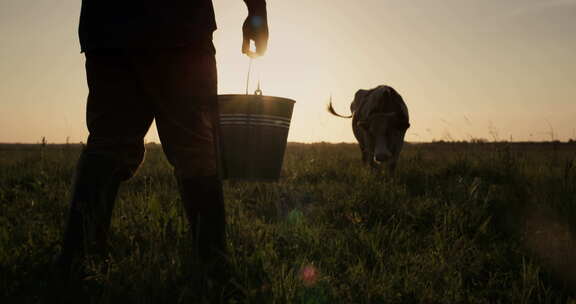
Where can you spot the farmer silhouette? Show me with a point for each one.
(151, 60)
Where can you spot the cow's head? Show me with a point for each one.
(385, 131)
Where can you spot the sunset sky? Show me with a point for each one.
(467, 69)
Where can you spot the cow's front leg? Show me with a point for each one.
(365, 154)
(366, 157)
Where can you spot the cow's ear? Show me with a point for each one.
(403, 125)
(402, 122)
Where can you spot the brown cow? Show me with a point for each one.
(379, 121)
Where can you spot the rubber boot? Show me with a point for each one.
(93, 196)
(204, 204)
(203, 201)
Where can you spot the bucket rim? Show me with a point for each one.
(264, 97)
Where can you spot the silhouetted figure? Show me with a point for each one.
(151, 60)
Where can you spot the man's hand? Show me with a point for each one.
(255, 28)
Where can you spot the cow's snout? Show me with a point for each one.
(382, 156)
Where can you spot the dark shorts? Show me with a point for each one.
(177, 87)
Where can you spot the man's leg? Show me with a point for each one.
(185, 112)
(93, 194)
(204, 204)
(117, 118)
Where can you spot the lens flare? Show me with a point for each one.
(309, 275)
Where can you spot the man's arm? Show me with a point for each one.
(256, 7)
(255, 28)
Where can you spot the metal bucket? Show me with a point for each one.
(253, 135)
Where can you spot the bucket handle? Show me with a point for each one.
(258, 91)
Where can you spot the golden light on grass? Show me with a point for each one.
(550, 239)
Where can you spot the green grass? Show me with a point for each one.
(458, 223)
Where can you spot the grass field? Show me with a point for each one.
(458, 223)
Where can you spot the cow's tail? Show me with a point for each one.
(333, 112)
